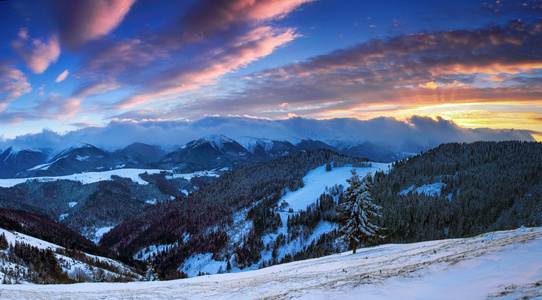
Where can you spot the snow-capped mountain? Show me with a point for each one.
(211, 152)
(14, 160)
(206, 153)
(82, 158)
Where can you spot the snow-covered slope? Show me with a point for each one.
(318, 179)
(93, 177)
(68, 264)
(504, 264)
(86, 178)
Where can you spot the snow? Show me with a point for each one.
(86, 178)
(63, 216)
(318, 179)
(151, 201)
(152, 250)
(82, 158)
(13, 237)
(72, 204)
(189, 176)
(426, 189)
(217, 141)
(93, 177)
(315, 183)
(251, 143)
(203, 263)
(506, 263)
(47, 165)
(100, 232)
(67, 263)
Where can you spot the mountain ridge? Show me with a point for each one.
(209, 152)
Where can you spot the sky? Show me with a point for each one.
(72, 65)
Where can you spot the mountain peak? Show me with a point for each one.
(217, 141)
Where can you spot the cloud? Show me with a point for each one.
(409, 71)
(122, 58)
(189, 54)
(62, 76)
(411, 134)
(211, 16)
(82, 21)
(96, 87)
(37, 53)
(206, 68)
(13, 84)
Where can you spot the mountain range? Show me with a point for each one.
(207, 153)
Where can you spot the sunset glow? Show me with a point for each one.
(68, 65)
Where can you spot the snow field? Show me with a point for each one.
(93, 177)
(318, 179)
(492, 264)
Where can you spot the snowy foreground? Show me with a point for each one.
(505, 265)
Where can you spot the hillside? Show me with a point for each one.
(204, 221)
(460, 190)
(45, 229)
(26, 259)
(499, 264)
(90, 202)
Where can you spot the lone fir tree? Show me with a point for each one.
(357, 212)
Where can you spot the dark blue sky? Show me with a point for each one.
(70, 64)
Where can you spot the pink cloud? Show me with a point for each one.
(247, 48)
(211, 16)
(62, 76)
(37, 53)
(56, 108)
(13, 84)
(87, 20)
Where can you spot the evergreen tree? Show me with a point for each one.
(3, 242)
(357, 212)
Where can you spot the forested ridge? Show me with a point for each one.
(487, 186)
(257, 187)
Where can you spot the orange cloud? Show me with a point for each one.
(492, 69)
(428, 85)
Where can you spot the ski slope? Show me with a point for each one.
(503, 264)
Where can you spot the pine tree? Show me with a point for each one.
(357, 212)
(3, 242)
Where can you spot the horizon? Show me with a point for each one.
(70, 68)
